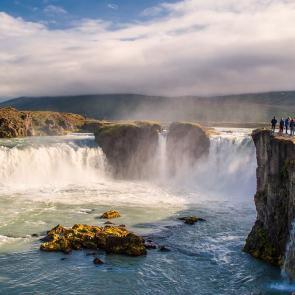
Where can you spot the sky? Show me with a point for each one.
(175, 48)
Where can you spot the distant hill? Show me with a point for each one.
(258, 107)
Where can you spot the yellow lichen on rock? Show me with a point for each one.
(110, 214)
(112, 239)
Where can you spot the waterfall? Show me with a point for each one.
(228, 170)
(161, 162)
(54, 164)
(288, 267)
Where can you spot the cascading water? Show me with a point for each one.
(50, 164)
(162, 155)
(228, 170)
(288, 267)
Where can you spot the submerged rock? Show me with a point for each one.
(163, 248)
(150, 245)
(112, 239)
(110, 214)
(97, 261)
(191, 219)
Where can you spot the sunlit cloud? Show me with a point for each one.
(192, 47)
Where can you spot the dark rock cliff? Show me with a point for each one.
(129, 147)
(275, 197)
(186, 143)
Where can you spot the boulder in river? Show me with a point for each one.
(191, 219)
(110, 214)
(112, 239)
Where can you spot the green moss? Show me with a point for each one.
(260, 246)
(112, 239)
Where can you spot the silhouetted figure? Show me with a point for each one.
(282, 125)
(273, 124)
(287, 125)
(292, 126)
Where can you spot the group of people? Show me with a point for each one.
(285, 124)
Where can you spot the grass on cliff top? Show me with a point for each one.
(110, 127)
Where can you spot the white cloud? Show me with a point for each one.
(113, 6)
(196, 47)
(54, 10)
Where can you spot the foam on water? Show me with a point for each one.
(66, 180)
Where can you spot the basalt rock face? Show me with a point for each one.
(186, 143)
(129, 147)
(275, 197)
(14, 123)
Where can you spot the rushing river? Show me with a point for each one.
(50, 180)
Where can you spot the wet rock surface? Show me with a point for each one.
(97, 261)
(111, 214)
(191, 219)
(112, 239)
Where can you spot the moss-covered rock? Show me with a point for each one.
(260, 246)
(112, 239)
(130, 147)
(110, 214)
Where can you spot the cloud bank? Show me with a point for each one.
(192, 47)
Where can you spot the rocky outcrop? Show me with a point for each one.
(110, 214)
(112, 239)
(186, 143)
(275, 197)
(14, 123)
(53, 123)
(129, 147)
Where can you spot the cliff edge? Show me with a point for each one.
(274, 198)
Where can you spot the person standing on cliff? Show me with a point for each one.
(292, 126)
(281, 126)
(287, 125)
(273, 124)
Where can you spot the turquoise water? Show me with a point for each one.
(205, 258)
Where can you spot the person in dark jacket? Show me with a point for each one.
(292, 126)
(273, 124)
(282, 125)
(287, 123)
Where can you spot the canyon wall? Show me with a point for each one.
(275, 197)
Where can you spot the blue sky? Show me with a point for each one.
(62, 13)
(182, 47)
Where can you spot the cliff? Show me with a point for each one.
(129, 146)
(275, 197)
(14, 123)
(186, 143)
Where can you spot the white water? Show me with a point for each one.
(290, 254)
(51, 170)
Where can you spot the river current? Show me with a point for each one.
(50, 180)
